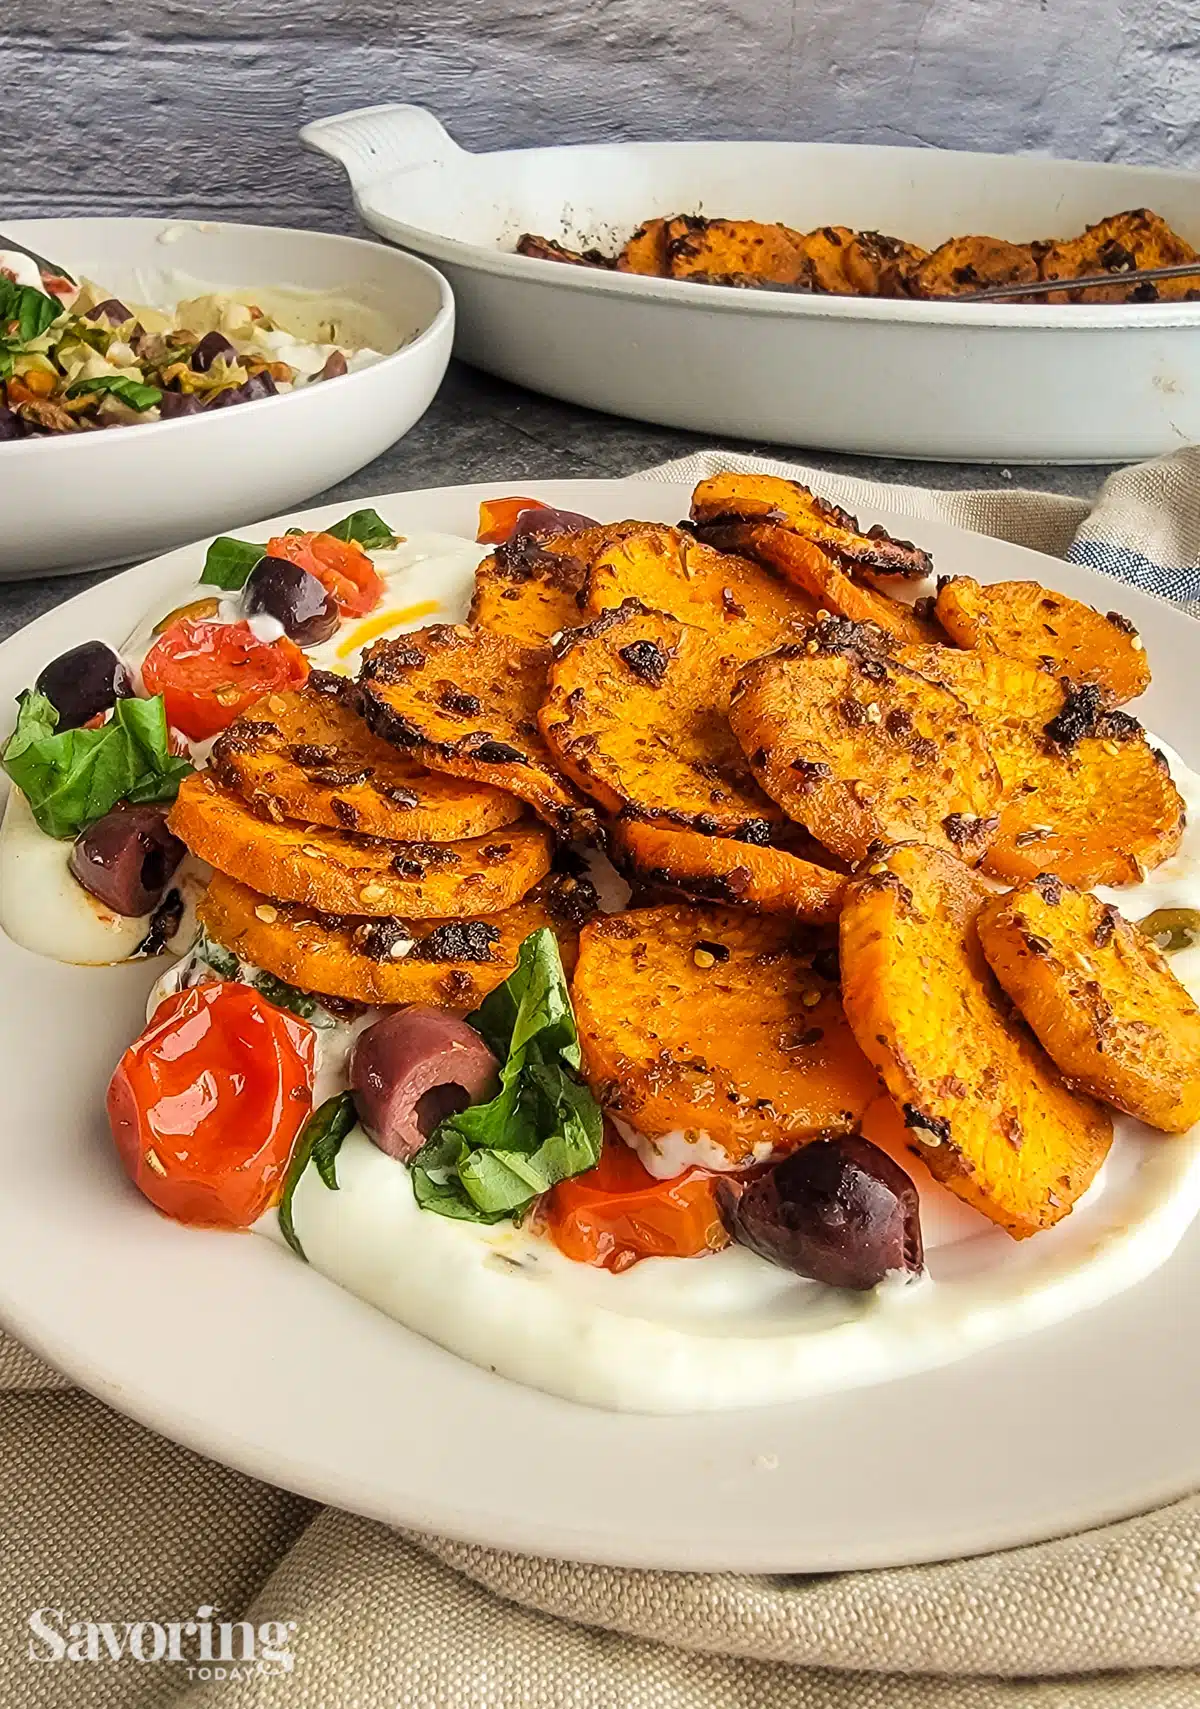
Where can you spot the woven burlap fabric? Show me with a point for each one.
(101, 1517)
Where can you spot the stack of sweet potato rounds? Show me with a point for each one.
(819, 791)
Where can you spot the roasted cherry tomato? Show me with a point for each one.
(339, 565)
(618, 1212)
(206, 1105)
(208, 673)
(498, 518)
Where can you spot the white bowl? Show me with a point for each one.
(960, 381)
(92, 499)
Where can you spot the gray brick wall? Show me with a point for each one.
(190, 107)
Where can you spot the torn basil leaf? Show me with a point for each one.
(285, 996)
(130, 391)
(228, 562)
(367, 528)
(215, 955)
(25, 313)
(71, 778)
(319, 1143)
(492, 1160)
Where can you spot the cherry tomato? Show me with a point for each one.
(206, 1105)
(498, 518)
(618, 1212)
(208, 673)
(341, 566)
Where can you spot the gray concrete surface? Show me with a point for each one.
(191, 106)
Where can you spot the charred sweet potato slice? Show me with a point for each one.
(1116, 245)
(307, 755)
(880, 266)
(702, 248)
(646, 251)
(341, 873)
(547, 249)
(715, 1020)
(1085, 795)
(452, 964)
(1100, 997)
(464, 701)
(989, 1112)
(730, 497)
(721, 869)
(860, 749)
(530, 589)
(826, 250)
(741, 605)
(964, 265)
(636, 714)
(1063, 636)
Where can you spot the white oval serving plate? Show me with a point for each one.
(233, 1347)
(92, 499)
(962, 382)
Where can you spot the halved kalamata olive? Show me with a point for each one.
(257, 386)
(127, 859)
(83, 682)
(113, 310)
(335, 366)
(210, 349)
(175, 404)
(412, 1069)
(838, 1210)
(544, 519)
(294, 597)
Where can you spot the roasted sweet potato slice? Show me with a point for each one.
(826, 250)
(702, 248)
(547, 249)
(646, 251)
(1117, 245)
(530, 589)
(715, 1021)
(730, 497)
(1085, 795)
(341, 873)
(1100, 997)
(880, 266)
(464, 701)
(964, 265)
(989, 1112)
(452, 964)
(860, 749)
(1061, 635)
(720, 869)
(307, 755)
(635, 713)
(742, 606)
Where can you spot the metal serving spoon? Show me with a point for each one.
(1039, 287)
(39, 261)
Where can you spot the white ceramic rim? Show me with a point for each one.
(298, 1383)
(444, 315)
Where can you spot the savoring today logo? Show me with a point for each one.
(207, 1649)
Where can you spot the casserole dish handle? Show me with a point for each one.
(378, 142)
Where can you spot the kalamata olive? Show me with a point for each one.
(83, 682)
(294, 597)
(257, 386)
(10, 424)
(211, 348)
(175, 404)
(113, 310)
(544, 519)
(838, 1210)
(412, 1069)
(127, 859)
(335, 366)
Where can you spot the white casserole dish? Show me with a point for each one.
(92, 499)
(963, 382)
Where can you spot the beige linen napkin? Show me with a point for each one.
(101, 1521)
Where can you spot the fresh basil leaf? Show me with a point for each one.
(216, 956)
(130, 391)
(26, 312)
(491, 1160)
(319, 1142)
(367, 528)
(228, 562)
(72, 777)
(286, 996)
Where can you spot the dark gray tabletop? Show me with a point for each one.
(481, 429)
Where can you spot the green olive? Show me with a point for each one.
(1172, 928)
